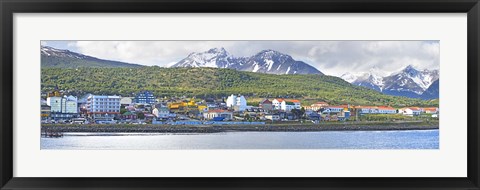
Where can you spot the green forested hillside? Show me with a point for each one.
(212, 82)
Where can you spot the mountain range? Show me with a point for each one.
(59, 58)
(432, 92)
(266, 61)
(409, 82)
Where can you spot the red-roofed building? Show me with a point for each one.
(277, 103)
(432, 110)
(286, 104)
(266, 105)
(386, 110)
(316, 106)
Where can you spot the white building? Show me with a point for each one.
(239, 103)
(277, 103)
(410, 111)
(386, 110)
(126, 101)
(335, 109)
(272, 117)
(316, 106)
(103, 107)
(367, 109)
(286, 105)
(218, 113)
(65, 104)
(376, 110)
(65, 107)
(161, 112)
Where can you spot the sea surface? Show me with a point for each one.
(407, 139)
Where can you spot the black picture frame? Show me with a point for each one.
(9, 7)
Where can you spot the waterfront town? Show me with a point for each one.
(146, 108)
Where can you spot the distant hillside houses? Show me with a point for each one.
(56, 107)
(325, 108)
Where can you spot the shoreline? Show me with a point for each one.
(149, 128)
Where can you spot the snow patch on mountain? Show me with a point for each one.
(255, 69)
(269, 63)
(288, 70)
(349, 77)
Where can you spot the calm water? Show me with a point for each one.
(414, 139)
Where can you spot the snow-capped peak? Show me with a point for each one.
(272, 54)
(50, 51)
(374, 77)
(215, 57)
(375, 71)
(422, 78)
(411, 71)
(408, 81)
(217, 51)
(349, 77)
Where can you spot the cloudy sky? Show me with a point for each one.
(330, 57)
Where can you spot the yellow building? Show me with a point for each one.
(185, 106)
(54, 93)
(192, 103)
(202, 108)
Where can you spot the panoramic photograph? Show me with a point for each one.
(184, 95)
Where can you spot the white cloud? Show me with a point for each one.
(43, 43)
(330, 57)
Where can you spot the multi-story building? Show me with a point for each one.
(286, 105)
(238, 103)
(62, 107)
(102, 107)
(277, 103)
(145, 97)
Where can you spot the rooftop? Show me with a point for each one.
(217, 111)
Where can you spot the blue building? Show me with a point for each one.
(145, 97)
